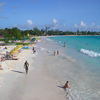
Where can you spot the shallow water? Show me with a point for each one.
(82, 70)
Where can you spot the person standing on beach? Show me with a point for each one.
(26, 65)
(57, 52)
(34, 50)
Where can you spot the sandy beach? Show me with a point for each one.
(49, 50)
(39, 84)
(46, 73)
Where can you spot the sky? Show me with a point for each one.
(56, 14)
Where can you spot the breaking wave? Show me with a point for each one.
(90, 53)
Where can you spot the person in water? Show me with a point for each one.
(67, 85)
(64, 44)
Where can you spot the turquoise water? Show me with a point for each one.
(74, 45)
(86, 51)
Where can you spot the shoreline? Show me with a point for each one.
(37, 85)
(46, 73)
(69, 35)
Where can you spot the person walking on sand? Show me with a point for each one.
(26, 65)
(34, 50)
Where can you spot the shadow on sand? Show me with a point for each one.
(18, 71)
(61, 87)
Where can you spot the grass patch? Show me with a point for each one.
(22, 43)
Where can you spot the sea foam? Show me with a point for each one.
(90, 53)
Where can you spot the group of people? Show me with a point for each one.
(26, 66)
(56, 52)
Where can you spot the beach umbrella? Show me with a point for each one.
(33, 39)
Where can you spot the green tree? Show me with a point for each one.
(16, 33)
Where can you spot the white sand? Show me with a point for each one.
(37, 85)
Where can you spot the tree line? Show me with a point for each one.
(18, 34)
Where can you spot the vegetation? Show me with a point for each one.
(22, 43)
(12, 34)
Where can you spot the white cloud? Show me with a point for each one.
(29, 22)
(28, 25)
(82, 24)
(55, 21)
(54, 24)
(57, 24)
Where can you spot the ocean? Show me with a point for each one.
(84, 73)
